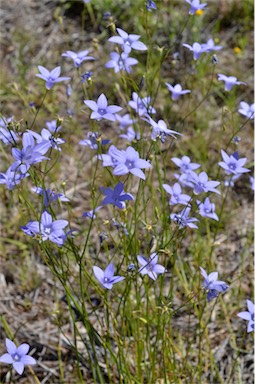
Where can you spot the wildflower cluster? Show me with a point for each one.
(137, 159)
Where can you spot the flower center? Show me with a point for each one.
(106, 280)
(47, 230)
(129, 164)
(16, 357)
(101, 111)
(232, 166)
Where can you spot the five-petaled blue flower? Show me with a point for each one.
(232, 164)
(125, 161)
(106, 277)
(141, 106)
(195, 6)
(116, 196)
(185, 164)
(248, 315)
(149, 266)
(51, 77)
(246, 110)
(177, 91)
(230, 81)
(212, 285)
(101, 109)
(201, 183)
(207, 209)
(78, 58)
(177, 197)
(183, 220)
(127, 41)
(17, 356)
(196, 48)
(121, 62)
(47, 229)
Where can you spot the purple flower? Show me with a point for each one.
(210, 46)
(141, 106)
(93, 138)
(232, 164)
(116, 196)
(101, 109)
(28, 155)
(86, 76)
(49, 196)
(195, 6)
(125, 121)
(160, 129)
(196, 48)
(17, 356)
(11, 178)
(251, 179)
(184, 179)
(230, 81)
(131, 135)
(51, 77)
(248, 315)
(182, 219)
(150, 267)
(125, 162)
(177, 197)
(46, 141)
(7, 135)
(201, 183)
(151, 6)
(121, 62)
(92, 214)
(185, 164)
(246, 110)
(212, 285)
(127, 41)
(177, 91)
(47, 229)
(78, 58)
(207, 209)
(53, 126)
(106, 277)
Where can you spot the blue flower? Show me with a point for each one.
(49, 196)
(151, 6)
(93, 138)
(121, 62)
(78, 58)
(150, 267)
(177, 91)
(177, 197)
(101, 109)
(51, 77)
(212, 285)
(185, 164)
(230, 81)
(246, 110)
(47, 229)
(183, 220)
(201, 183)
(7, 135)
(210, 46)
(12, 177)
(106, 277)
(195, 6)
(17, 356)
(159, 129)
(248, 315)
(124, 162)
(207, 209)
(141, 106)
(196, 48)
(127, 41)
(116, 196)
(232, 164)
